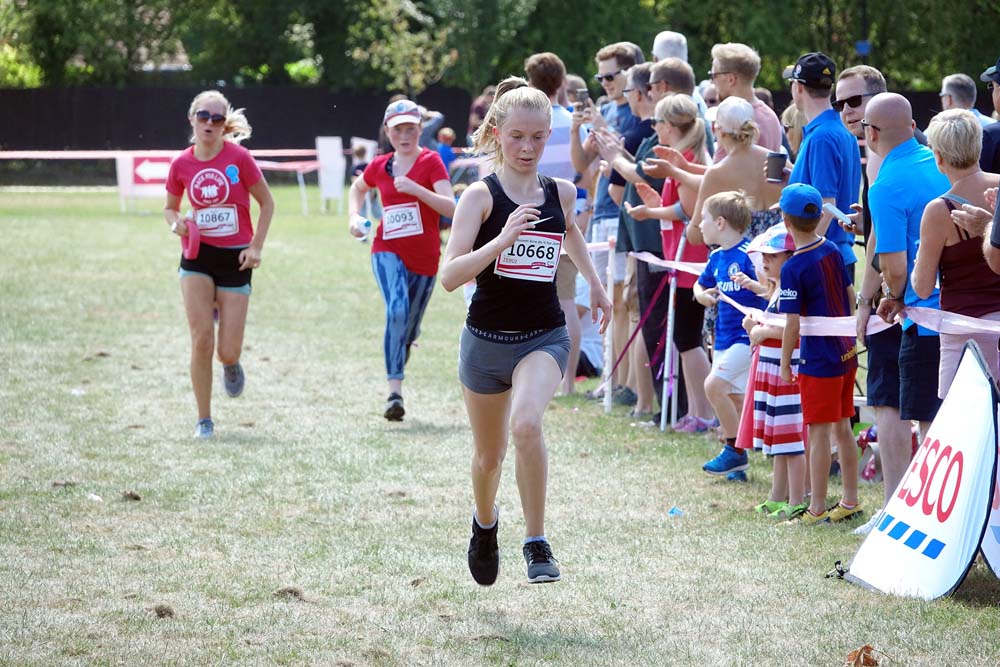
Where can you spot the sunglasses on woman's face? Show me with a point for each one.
(854, 101)
(209, 117)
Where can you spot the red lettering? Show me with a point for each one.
(925, 506)
(918, 485)
(943, 515)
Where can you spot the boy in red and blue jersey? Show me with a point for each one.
(815, 283)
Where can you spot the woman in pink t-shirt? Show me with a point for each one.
(406, 247)
(220, 246)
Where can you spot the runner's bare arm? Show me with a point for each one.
(441, 198)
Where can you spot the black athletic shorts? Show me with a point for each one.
(222, 265)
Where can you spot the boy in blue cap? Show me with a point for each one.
(814, 282)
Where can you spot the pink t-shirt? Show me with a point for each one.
(219, 193)
(410, 228)
(770, 129)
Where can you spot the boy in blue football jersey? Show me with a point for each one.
(725, 220)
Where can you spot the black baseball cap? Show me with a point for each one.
(991, 73)
(814, 70)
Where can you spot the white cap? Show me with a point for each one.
(732, 115)
(403, 111)
(669, 44)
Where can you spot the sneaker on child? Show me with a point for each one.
(729, 460)
(789, 512)
(869, 525)
(840, 513)
(769, 506)
(541, 563)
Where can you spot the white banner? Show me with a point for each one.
(930, 531)
(991, 539)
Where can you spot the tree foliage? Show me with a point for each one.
(409, 44)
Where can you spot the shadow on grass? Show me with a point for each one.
(421, 427)
(981, 588)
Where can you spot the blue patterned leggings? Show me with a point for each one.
(406, 296)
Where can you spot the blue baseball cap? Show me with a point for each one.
(796, 200)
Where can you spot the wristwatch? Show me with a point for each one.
(863, 301)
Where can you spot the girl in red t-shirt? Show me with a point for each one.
(221, 247)
(416, 192)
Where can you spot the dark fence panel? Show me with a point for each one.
(154, 118)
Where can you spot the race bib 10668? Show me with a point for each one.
(401, 220)
(534, 256)
(217, 220)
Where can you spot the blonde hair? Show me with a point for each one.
(236, 128)
(957, 136)
(793, 120)
(681, 112)
(512, 93)
(732, 206)
(738, 59)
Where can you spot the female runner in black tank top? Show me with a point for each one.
(490, 217)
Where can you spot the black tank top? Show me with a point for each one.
(512, 304)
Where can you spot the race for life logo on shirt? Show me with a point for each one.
(209, 187)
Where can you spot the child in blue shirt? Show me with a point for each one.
(815, 283)
(725, 220)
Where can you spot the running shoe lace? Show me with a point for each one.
(540, 552)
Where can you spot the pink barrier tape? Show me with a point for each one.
(936, 320)
(591, 247)
(191, 242)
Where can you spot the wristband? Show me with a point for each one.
(863, 301)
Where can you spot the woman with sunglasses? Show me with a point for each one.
(406, 248)
(222, 248)
(507, 234)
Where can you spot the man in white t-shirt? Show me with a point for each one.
(734, 70)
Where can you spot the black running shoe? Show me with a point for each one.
(542, 566)
(484, 554)
(394, 408)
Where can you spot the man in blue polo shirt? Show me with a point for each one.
(828, 159)
(907, 180)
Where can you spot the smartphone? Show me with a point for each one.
(840, 215)
(583, 97)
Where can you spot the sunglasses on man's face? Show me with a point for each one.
(607, 77)
(209, 117)
(854, 101)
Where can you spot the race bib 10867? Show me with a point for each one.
(534, 256)
(401, 220)
(217, 221)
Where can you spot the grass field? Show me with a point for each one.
(312, 532)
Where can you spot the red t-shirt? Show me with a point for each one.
(219, 192)
(409, 227)
(672, 237)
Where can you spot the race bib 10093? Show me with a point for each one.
(401, 220)
(534, 256)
